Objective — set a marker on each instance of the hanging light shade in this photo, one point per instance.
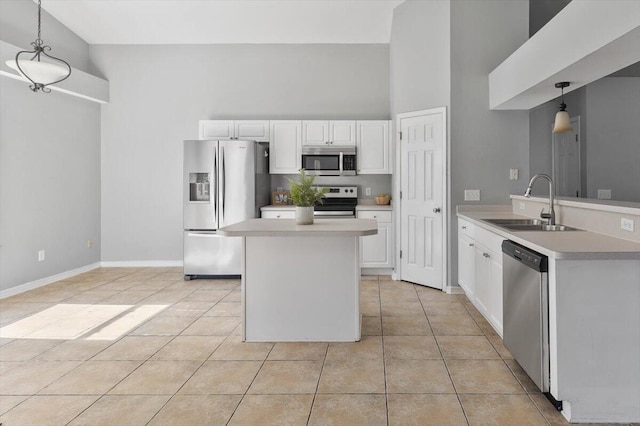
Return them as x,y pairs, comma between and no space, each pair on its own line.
37,66
563,121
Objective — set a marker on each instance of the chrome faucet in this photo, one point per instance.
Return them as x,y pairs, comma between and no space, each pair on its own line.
551,216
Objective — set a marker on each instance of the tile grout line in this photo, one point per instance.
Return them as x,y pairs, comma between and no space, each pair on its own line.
324,360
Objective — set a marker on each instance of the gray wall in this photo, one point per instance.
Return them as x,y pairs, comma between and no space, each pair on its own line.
19,26
49,183
419,56
49,162
379,184
613,145
485,144
158,94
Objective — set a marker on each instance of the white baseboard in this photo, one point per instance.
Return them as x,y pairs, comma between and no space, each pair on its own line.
47,280
376,271
454,289
141,264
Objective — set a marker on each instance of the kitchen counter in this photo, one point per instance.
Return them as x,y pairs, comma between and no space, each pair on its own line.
301,283
387,207
288,228
566,245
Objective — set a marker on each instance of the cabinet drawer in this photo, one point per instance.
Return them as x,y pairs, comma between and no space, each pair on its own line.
278,214
381,216
465,228
491,241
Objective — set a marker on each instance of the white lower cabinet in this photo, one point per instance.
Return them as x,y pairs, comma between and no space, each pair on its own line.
282,213
376,251
480,270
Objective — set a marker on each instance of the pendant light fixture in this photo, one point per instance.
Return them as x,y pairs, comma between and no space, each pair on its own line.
563,122
37,66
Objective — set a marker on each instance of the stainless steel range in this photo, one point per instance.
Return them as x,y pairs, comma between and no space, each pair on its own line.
340,203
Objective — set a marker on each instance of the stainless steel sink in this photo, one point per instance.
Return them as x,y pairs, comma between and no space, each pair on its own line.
508,222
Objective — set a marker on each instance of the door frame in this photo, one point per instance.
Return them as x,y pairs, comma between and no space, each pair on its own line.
397,206
575,123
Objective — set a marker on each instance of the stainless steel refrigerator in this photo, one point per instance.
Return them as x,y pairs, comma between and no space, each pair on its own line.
224,182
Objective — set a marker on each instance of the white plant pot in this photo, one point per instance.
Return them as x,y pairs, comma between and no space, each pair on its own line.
304,215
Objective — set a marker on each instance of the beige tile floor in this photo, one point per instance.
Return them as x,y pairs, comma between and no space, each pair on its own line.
426,358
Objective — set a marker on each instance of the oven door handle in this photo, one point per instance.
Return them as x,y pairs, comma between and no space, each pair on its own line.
334,213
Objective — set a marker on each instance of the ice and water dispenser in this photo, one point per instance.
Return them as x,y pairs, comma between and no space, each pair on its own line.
199,187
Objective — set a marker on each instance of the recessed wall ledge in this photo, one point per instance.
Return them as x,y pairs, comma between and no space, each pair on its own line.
586,41
80,84
623,207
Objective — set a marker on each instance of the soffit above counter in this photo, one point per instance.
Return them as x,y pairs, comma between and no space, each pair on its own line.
586,41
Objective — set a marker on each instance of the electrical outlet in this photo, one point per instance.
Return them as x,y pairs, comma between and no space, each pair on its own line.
513,174
89,244
626,224
604,194
522,206
367,191
41,256
472,195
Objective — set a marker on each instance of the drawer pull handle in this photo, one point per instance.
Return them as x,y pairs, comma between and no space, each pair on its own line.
375,217
464,227
486,254
470,244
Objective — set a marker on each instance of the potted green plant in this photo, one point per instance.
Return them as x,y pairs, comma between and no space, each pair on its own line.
304,196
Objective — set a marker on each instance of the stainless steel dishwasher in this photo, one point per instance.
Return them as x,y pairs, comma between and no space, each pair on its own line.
526,310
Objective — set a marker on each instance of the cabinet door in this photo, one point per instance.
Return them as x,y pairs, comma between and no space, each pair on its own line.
315,132
373,147
252,130
285,146
466,264
374,249
342,133
482,279
216,129
495,291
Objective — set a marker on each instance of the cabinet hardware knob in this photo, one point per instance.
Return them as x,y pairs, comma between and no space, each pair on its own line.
436,210
470,244
486,254
464,227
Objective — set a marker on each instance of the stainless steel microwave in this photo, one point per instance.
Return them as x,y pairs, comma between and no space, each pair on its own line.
329,161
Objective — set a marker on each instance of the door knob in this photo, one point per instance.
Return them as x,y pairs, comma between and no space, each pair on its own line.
436,210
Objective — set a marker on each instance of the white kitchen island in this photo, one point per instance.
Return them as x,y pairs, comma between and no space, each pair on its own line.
301,283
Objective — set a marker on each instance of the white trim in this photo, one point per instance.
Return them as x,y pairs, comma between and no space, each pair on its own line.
454,289
445,191
12,291
141,263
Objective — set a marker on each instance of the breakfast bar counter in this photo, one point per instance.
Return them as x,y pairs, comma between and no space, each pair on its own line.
301,283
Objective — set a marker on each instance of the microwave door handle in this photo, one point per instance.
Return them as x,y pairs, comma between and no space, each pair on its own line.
341,160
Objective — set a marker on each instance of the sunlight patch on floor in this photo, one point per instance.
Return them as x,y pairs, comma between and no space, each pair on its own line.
72,321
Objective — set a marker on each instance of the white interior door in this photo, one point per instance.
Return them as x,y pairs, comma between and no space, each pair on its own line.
566,161
422,203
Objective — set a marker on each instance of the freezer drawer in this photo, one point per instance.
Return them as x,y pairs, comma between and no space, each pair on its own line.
207,253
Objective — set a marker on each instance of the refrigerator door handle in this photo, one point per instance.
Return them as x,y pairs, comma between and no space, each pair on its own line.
223,185
215,196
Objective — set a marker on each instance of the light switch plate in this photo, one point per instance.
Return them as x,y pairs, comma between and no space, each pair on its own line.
604,194
472,195
41,256
626,224
513,174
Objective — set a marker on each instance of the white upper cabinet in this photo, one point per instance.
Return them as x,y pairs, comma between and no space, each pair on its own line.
334,132
285,146
216,129
254,130
315,132
342,133
373,148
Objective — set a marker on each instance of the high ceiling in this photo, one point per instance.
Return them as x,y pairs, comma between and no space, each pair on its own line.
226,21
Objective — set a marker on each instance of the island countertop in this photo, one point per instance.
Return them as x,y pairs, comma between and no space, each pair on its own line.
288,228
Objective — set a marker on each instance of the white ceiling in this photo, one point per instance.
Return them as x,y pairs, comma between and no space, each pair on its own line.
226,21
